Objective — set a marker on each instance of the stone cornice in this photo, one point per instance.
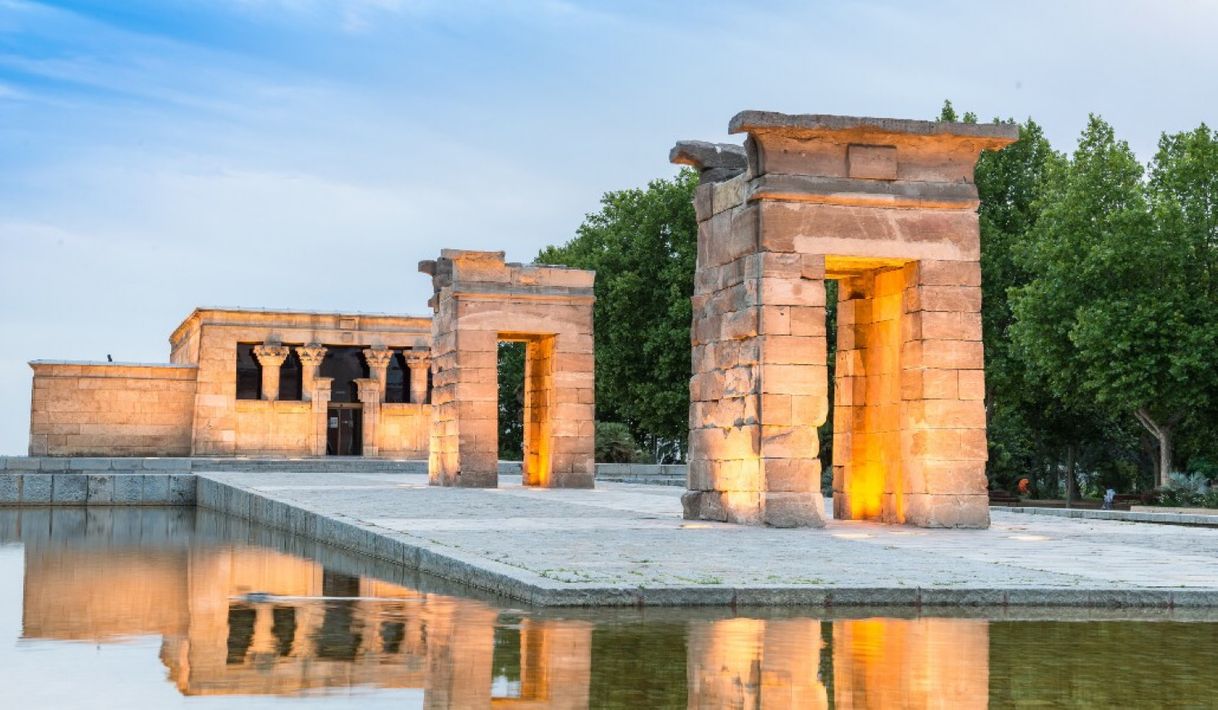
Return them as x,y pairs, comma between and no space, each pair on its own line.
868,193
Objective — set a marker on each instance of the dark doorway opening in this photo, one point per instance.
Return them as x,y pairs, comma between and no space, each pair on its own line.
344,430
344,365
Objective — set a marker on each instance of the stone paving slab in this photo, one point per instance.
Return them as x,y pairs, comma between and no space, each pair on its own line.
623,544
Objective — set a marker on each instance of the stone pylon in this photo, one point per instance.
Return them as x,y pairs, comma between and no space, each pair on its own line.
479,302
887,208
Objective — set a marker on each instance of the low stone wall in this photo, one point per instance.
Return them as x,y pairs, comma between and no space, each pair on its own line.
95,481
82,408
61,480
274,428
1143,514
648,474
56,480
404,430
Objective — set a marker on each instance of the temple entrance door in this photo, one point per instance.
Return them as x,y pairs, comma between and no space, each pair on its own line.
344,430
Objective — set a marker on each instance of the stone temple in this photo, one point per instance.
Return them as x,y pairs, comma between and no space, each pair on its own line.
887,208
245,382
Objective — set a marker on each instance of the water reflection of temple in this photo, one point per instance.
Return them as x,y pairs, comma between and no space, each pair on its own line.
249,620
239,619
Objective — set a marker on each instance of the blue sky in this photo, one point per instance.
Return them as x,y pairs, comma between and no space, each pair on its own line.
159,155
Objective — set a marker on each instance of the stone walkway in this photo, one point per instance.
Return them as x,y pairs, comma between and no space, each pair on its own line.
627,544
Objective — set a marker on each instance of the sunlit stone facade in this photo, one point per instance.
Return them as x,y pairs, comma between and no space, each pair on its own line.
887,208
248,382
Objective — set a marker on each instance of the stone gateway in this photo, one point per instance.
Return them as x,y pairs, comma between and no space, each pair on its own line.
887,208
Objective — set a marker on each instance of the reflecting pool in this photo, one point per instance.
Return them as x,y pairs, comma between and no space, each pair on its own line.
145,607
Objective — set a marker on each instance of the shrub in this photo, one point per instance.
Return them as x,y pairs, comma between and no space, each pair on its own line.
614,443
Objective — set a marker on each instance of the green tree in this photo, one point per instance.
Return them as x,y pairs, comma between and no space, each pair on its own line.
1109,312
642,245
511,401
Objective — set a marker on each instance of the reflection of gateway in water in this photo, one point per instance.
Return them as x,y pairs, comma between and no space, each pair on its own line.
247,620
253,621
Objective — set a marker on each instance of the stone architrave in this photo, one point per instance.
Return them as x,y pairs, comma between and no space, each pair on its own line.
311,357
378,365
419,363
370,394
480,301
887,208
270,358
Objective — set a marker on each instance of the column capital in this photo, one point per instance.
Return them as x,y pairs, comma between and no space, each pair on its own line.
417,358
368,389
311,354
271,355
378,357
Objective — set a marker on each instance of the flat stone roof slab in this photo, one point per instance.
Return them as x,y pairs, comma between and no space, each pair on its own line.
624,544
812,124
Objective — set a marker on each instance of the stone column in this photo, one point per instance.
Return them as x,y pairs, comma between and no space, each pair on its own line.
378,365
271,358
419,362
321,409
370,396
943,385
311,357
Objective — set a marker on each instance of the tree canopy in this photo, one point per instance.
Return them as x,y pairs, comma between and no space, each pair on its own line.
642,244
1115,313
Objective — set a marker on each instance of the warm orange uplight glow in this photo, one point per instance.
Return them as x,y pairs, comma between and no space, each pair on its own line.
538,406
874,483
915,663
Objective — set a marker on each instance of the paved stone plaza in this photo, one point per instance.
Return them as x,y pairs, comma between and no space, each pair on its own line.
628,544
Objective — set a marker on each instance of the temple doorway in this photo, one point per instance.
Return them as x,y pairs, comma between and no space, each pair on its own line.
344,430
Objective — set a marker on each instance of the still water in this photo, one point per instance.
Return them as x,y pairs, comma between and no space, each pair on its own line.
176,607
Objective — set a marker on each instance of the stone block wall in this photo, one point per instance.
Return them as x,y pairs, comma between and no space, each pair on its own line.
280,428
758,394
404,430
480,301
84,409
62,481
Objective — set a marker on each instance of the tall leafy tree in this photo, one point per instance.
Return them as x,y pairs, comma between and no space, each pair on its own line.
1109,312
642,244
1183,189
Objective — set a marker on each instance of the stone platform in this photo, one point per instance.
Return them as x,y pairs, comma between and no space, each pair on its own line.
622,544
